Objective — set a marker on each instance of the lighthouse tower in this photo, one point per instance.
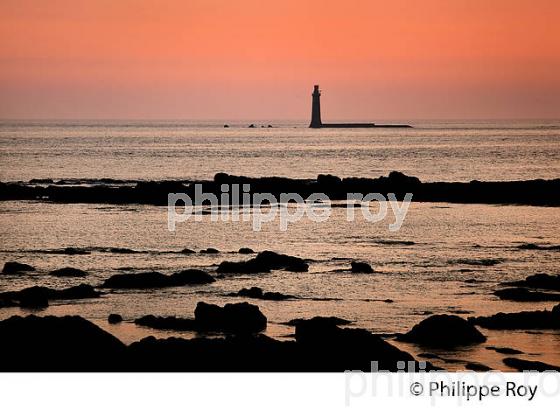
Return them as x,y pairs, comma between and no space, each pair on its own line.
316,109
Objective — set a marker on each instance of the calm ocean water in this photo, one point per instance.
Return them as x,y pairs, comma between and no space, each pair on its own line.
448,243
442,151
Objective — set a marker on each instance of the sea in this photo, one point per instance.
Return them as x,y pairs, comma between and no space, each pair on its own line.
446,258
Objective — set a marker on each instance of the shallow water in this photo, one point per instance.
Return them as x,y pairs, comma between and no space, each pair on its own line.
422,268
450,244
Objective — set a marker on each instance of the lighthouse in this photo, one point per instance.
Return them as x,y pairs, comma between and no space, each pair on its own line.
317,123
316,108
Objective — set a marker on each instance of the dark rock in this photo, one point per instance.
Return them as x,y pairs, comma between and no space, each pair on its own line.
210,250
525,295
443,331
535,247
68,343
252,126
265,262
319,337
226,126
75,251
166,323
146,280
137,280
69,272
539,281
187,251
477,367
529,365
11,268
504,350
327,320
7,303
41,181
233,317
33,298
246,251
38,296
124,251
361,267
540,319
191,277
114,318
430,356
258,293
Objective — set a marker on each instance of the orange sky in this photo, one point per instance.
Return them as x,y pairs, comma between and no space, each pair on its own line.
249,59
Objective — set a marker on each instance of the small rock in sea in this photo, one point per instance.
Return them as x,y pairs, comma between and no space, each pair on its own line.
529,365
187,251
246,251
68,272
252,126
361,267
536,247
38,296
210,250
147,280
114,318
539,319
258,293
122,250
192,277
11,268
443,331
226,126
324,320
75,251
538,281
504,350
269,126
477,367
233,317
525,295
265,262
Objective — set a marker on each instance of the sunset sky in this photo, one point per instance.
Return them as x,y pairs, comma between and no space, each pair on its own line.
249,59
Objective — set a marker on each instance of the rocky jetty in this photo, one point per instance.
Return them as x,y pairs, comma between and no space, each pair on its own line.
532,192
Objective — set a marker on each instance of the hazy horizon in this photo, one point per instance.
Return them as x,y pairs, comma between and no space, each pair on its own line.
215,59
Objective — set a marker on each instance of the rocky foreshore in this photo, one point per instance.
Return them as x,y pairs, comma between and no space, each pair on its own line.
531,192
71,343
